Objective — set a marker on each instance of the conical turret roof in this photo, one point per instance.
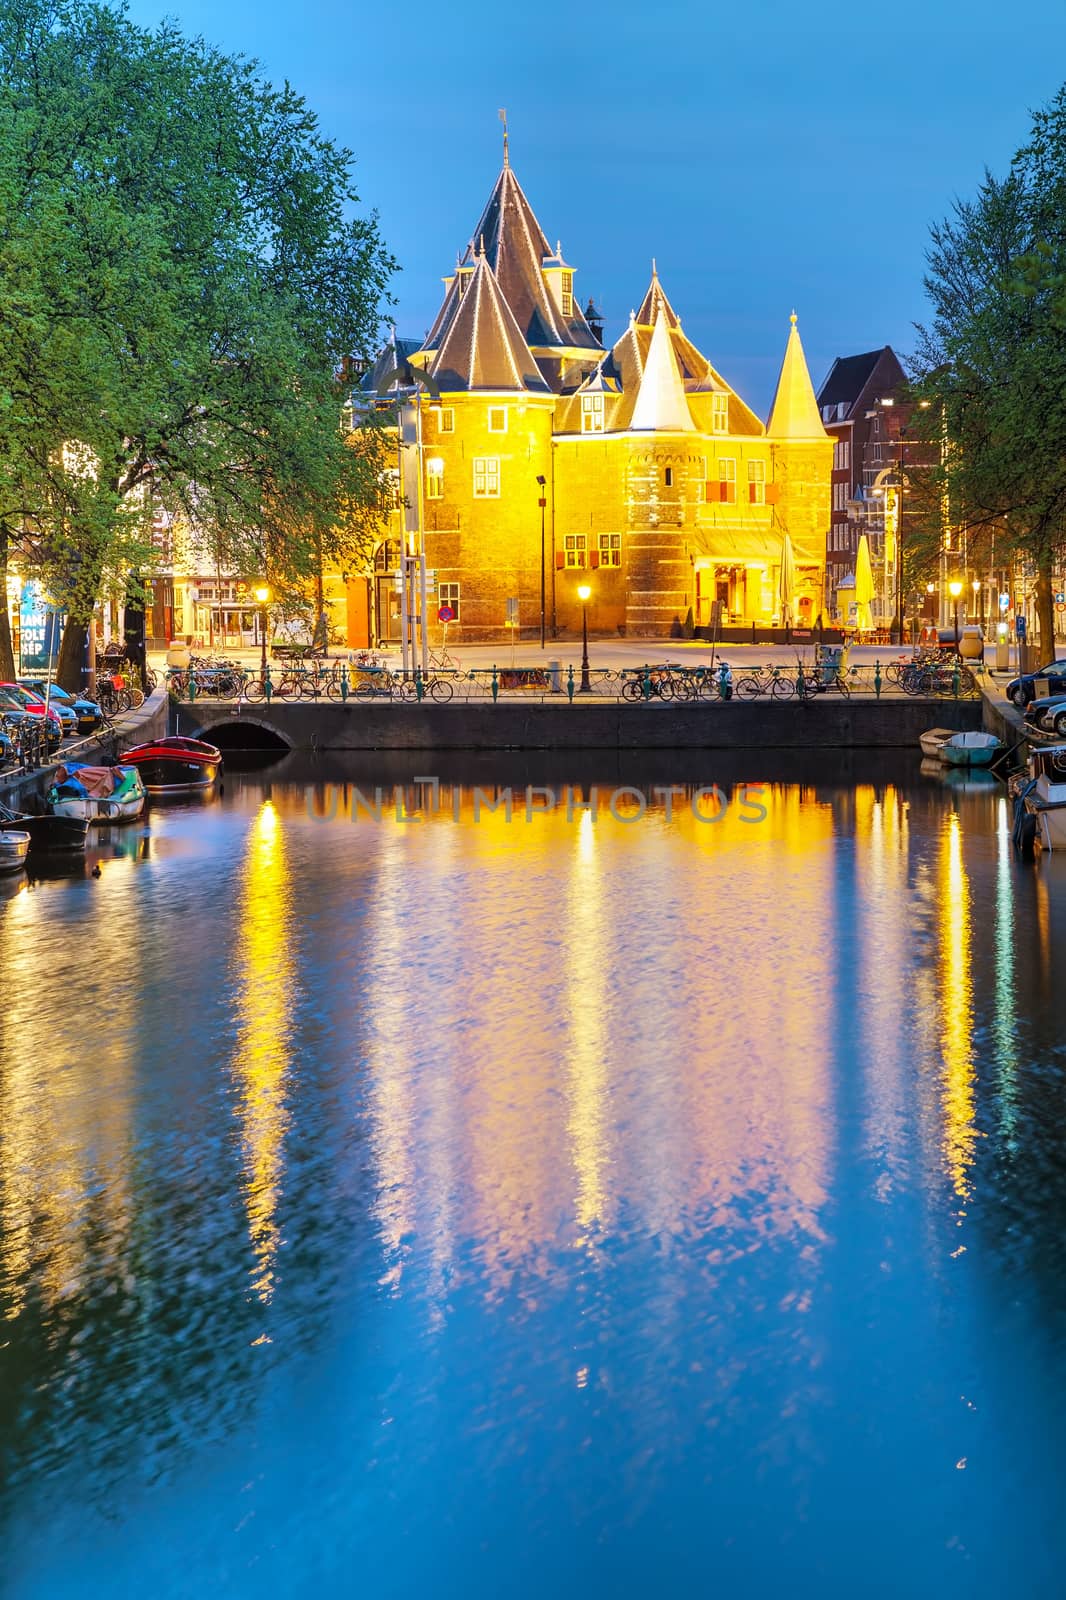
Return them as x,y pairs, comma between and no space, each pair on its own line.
654,301
482,347
661,406
511,237
794,413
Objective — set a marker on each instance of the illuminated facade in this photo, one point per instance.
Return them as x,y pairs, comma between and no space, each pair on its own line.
662,489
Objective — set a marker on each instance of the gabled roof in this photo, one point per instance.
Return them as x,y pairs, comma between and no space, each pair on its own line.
516,246
661,406
794,413
850,378
483,347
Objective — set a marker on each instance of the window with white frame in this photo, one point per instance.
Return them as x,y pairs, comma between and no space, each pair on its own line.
757,483
446,419
497,419
727,481
448,595
568,294
486,477
610,549
434,479
841,455
574,549
592,413
720,413
840,497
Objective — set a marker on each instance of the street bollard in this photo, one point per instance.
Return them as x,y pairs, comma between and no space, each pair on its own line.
495,684
267,690
725,688
420,687
647,682
955,680
192,687
570,682
344,682
877,679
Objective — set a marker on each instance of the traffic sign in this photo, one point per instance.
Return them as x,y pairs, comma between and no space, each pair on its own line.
1019,626
1004,602
445,614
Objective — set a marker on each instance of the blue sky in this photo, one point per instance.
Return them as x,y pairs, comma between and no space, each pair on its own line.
771,156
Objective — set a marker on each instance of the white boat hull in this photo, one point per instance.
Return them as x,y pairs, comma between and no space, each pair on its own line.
91,810
1050,824
14,848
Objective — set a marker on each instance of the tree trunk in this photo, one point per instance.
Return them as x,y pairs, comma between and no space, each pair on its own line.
71,663
7,658
1045,604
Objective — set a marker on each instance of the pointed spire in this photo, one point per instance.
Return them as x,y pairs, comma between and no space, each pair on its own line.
482,346
506,151
661,405
794,413
653,301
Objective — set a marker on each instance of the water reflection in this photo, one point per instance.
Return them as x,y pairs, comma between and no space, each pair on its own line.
593,1179
264,971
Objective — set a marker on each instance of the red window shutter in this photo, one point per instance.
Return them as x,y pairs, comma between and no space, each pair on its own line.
594,558
710,491
752,491
772,493
560,561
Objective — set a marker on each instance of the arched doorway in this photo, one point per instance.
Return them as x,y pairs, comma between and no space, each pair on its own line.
387,591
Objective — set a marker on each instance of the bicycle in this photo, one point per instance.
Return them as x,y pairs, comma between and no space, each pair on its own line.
442,661
765,680
433,688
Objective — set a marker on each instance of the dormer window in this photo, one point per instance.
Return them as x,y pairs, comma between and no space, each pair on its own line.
592,413
720,413
567,288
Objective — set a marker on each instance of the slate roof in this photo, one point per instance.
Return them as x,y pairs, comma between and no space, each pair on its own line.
482,347
847,378
516,246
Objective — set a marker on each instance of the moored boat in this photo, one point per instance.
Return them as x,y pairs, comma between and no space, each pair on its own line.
933,741
970,749
49,835
174,765
14,848
97,794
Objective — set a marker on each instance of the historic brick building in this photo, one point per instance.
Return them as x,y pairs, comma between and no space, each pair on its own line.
662,490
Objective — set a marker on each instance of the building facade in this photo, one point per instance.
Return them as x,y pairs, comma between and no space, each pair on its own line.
542,460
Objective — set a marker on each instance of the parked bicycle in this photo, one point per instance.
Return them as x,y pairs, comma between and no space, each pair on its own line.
765,680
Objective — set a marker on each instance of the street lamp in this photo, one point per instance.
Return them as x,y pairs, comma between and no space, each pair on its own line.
583,593
262,594
542,503
976,586
954,590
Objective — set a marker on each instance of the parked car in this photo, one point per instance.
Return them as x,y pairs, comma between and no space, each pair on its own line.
16,703
1023,689
86,712
63,711
1048,714
17,706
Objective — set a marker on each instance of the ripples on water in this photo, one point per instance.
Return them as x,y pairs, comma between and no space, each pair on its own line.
463,1206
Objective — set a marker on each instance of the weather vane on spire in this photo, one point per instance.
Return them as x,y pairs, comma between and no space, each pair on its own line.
503,119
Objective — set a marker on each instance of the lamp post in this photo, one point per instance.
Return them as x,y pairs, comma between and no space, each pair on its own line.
583,595
976,586
262,595
542,502
954,590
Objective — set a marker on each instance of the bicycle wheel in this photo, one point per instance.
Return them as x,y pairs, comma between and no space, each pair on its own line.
254,689
309,688
747,688
123,701
441,690
136,698
782,689
632,689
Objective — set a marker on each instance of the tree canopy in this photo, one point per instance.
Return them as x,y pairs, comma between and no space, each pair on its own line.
183,270
992,362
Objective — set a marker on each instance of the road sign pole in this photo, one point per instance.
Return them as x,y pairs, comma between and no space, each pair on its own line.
424,613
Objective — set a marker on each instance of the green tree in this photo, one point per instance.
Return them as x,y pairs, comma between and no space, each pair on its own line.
992,363
183,271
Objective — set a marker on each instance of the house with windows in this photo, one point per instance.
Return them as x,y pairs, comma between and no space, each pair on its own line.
531,452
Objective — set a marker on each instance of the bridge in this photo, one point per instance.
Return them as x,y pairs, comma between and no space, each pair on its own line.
550,724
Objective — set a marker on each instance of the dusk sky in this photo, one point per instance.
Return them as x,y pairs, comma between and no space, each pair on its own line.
770,157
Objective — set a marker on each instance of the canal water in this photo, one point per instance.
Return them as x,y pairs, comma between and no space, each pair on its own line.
410,1193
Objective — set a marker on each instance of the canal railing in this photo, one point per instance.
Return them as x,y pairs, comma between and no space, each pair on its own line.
651,682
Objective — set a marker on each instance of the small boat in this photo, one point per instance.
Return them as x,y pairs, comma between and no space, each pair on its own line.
14,848
933,741
965,749
97,794
1040,800
48,835
174,765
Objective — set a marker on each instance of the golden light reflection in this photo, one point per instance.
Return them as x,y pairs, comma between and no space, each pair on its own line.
956,981
587,935
882,844
266,977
